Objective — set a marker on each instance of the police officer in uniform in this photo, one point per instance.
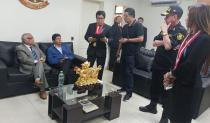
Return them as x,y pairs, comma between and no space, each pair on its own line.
97,37
132,35
167,42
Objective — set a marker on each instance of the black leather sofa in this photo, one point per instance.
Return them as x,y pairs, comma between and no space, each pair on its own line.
142,72
142,81
13,82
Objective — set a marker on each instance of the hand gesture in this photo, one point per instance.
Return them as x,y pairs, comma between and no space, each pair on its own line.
91,39
164,27
104,39
123,40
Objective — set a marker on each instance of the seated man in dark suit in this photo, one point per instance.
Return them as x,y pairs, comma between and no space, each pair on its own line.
31,60
60,56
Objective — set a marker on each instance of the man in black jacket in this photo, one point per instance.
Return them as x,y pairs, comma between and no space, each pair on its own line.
96,36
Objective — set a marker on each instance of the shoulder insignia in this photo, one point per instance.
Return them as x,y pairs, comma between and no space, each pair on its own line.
179,36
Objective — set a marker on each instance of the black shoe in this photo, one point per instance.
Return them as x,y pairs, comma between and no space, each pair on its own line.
163,120
127,97
121,90
149,108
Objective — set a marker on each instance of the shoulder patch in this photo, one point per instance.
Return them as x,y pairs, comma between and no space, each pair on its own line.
179,36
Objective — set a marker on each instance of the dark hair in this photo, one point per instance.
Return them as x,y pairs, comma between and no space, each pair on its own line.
199,17
101,13
115,19
54,36
141,18
130,11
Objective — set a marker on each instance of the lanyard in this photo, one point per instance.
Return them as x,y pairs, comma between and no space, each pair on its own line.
183,46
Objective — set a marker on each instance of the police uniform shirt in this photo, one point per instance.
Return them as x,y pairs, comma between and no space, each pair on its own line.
133,31
165,59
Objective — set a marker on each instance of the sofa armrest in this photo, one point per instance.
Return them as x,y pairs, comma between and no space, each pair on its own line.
3,78
78,60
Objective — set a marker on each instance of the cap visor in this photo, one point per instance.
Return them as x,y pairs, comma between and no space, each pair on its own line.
164,14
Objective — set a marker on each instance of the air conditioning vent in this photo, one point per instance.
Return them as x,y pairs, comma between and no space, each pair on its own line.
156,2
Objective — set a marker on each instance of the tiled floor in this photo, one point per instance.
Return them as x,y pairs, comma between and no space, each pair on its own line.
30,109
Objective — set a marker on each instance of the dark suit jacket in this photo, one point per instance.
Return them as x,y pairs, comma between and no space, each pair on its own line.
143,44
115,33
100,49
188,78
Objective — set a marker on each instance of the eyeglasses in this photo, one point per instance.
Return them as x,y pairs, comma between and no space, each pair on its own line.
29,38
100,18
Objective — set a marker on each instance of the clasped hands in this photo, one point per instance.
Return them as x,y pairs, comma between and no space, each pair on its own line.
91,39
42,60
168,79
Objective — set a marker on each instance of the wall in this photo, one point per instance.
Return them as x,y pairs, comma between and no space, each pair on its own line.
150,13
60,16
65,17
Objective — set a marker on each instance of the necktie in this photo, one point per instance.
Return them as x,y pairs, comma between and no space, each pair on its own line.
34,54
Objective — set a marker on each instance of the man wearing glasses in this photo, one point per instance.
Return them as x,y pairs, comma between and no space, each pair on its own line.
32,60
97,37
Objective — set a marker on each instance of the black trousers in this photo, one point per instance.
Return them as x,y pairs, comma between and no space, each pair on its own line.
67,69
157,90
100,60
127,65
112,58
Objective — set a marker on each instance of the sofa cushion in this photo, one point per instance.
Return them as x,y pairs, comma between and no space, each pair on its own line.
45,45
142,73
8,54
14,76
144,59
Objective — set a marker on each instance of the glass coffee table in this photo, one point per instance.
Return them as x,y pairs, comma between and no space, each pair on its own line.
67,106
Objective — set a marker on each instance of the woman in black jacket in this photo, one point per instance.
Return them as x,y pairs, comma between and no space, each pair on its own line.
115,34
185,75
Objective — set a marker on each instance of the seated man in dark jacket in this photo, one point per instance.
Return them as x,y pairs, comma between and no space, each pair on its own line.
60,56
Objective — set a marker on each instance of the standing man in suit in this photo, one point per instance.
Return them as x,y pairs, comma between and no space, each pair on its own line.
60,56
96,36
141,20
32,60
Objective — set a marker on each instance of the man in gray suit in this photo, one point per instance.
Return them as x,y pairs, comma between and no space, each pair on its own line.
32,62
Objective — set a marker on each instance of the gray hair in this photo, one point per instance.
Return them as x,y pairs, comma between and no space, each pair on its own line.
23,37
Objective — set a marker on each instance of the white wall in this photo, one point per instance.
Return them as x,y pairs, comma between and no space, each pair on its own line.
65,17
62,16
151,14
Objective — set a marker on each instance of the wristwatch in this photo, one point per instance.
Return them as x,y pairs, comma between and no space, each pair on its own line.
164,33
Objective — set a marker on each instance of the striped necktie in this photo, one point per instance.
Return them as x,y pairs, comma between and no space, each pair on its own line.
34,54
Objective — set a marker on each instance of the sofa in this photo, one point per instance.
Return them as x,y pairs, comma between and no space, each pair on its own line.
142,81
13,82
142,72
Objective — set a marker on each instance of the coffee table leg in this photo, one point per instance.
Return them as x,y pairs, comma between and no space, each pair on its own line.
50,107
72,114
113,102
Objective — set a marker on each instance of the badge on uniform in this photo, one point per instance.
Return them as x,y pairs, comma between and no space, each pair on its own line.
179,36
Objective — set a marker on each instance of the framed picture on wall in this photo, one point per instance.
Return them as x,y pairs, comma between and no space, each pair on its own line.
119,9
